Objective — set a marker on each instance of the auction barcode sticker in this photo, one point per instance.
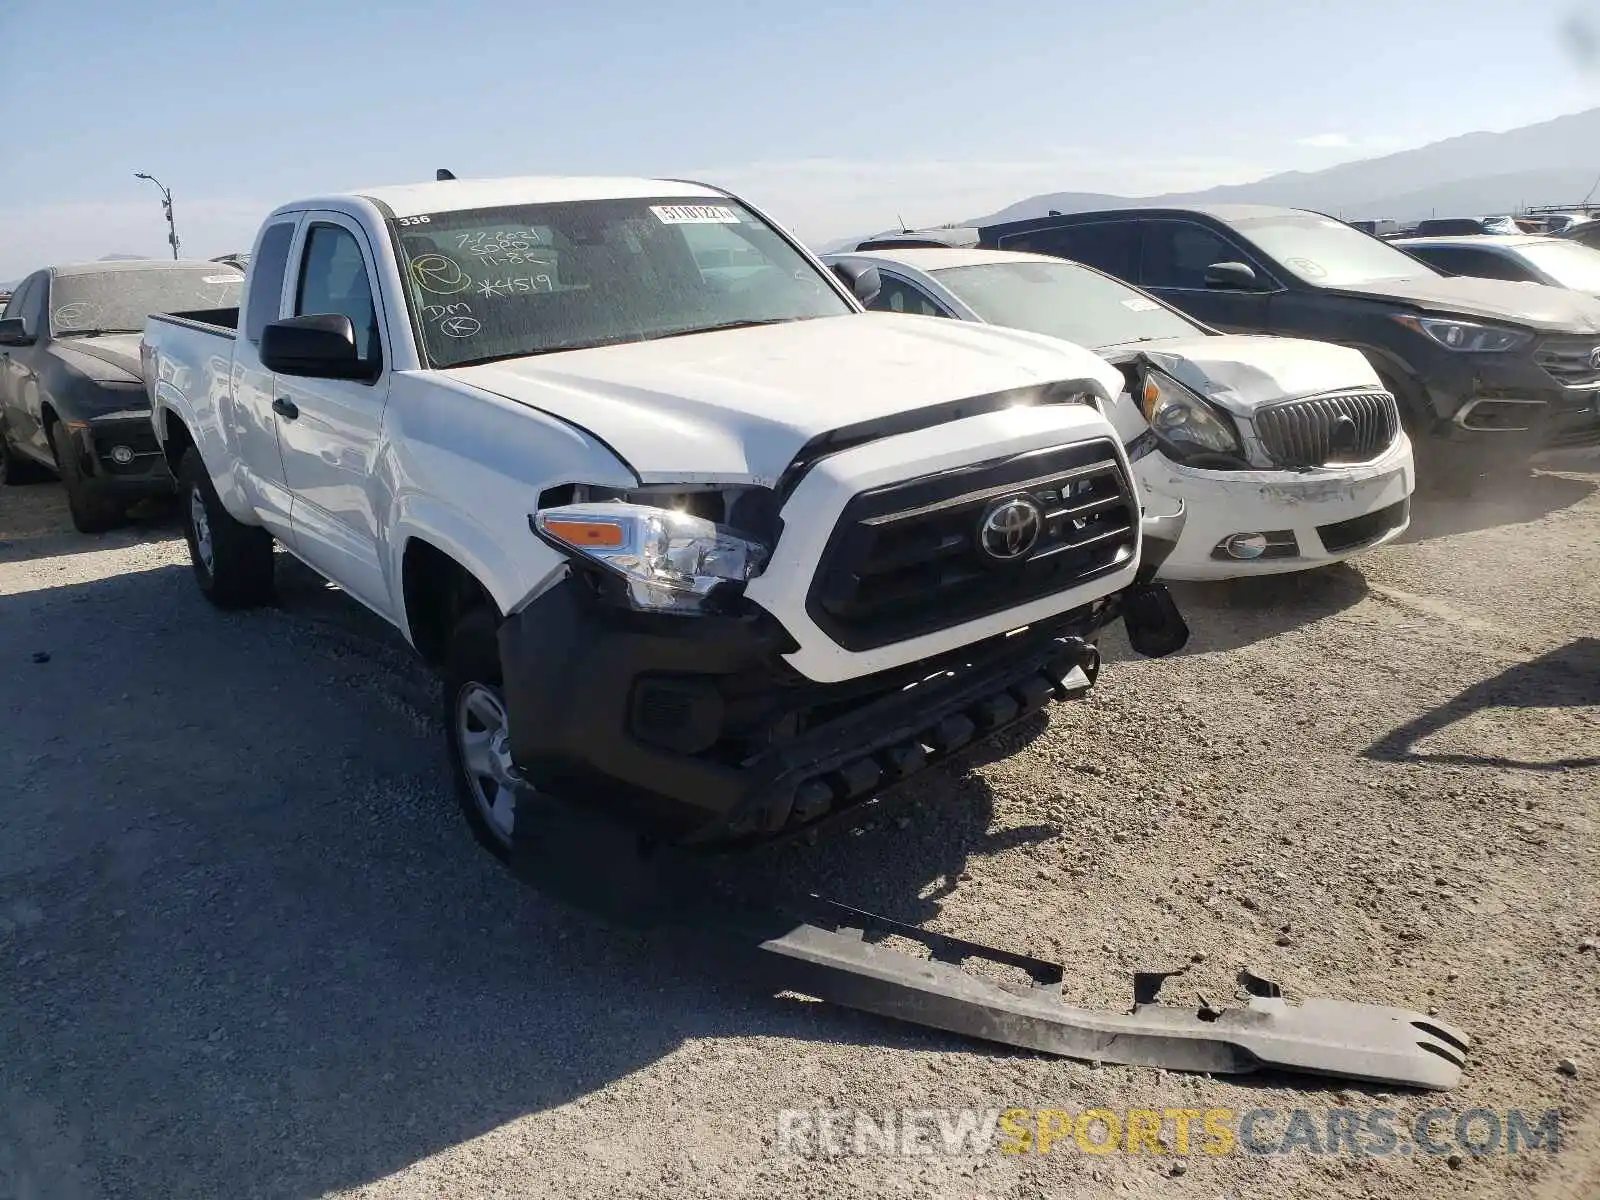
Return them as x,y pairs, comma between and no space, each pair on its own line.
694,214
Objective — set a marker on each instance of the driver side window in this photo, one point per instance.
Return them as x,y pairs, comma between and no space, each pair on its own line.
333,279
901,296
18,304
1176,254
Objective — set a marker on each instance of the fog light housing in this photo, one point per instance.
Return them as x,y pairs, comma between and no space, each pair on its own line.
122,455
1246,545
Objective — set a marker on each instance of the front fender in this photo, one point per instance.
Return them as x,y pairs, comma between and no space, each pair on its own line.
485,556
464,471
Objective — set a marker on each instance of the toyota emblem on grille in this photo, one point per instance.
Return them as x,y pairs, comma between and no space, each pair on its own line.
1010,529
1342,435
1594,358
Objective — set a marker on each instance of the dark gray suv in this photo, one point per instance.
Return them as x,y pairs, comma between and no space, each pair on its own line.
1484,370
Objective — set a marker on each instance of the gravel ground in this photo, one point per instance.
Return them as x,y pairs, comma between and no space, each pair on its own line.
247,948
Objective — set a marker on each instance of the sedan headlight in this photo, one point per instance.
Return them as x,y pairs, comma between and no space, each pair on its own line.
1185,422
1467,336
669,561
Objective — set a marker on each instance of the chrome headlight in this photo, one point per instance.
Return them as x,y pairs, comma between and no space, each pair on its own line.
1467,336
1184,421
668,561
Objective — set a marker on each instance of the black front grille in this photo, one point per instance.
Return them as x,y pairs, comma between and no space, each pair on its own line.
1346,427
908,559
1570,361
1369,527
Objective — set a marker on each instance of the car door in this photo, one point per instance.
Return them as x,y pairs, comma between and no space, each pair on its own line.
249,412
20,407
11,418
328,429
1174,257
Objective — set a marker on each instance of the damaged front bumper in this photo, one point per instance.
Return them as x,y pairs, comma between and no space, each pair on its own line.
118,451
696,730
1263,522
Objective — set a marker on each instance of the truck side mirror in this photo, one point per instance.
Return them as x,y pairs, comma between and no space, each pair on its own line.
319,346
863,281
1235,275
14,331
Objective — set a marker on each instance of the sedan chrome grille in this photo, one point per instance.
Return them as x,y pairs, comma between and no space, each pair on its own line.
1343,427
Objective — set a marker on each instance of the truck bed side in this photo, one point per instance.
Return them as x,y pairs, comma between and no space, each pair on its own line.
187,364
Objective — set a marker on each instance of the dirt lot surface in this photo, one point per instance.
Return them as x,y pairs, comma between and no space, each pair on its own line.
248,949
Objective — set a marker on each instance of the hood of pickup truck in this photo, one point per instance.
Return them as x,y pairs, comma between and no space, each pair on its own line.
1241,372
111,356
737,405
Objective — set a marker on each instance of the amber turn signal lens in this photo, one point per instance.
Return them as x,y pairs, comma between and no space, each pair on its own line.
586,533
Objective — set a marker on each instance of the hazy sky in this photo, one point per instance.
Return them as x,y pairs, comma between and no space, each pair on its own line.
835,117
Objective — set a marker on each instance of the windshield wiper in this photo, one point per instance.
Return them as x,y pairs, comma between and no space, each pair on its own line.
721,325
90,332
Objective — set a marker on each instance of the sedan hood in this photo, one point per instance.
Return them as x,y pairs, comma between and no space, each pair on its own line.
1530,305
1241,372
737,405
113,357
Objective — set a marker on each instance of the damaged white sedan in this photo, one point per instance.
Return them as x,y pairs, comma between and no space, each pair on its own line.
1288,453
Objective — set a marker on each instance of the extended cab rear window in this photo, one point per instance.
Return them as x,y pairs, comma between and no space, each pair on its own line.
487,284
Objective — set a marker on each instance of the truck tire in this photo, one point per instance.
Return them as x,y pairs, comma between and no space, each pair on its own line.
477,731
232,561
93,511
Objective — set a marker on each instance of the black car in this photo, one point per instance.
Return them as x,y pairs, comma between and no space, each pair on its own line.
1483,369
72,400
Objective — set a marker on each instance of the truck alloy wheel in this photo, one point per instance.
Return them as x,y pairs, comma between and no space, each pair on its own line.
201,524
483,734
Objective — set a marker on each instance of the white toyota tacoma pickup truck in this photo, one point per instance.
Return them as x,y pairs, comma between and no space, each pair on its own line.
686,533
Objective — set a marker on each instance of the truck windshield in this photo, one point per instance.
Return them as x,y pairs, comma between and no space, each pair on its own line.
119,301
1328,253
1064,300
497,283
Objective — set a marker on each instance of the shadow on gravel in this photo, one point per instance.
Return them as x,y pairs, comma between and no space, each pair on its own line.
256,951
1503,501
34,524
1228,614
1565,678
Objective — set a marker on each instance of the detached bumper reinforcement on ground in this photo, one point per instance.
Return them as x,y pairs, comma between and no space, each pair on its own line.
836,954
833,959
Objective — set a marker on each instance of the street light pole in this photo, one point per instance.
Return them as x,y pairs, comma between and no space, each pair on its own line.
166,204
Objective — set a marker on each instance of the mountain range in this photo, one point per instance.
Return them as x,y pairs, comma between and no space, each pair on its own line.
1475,174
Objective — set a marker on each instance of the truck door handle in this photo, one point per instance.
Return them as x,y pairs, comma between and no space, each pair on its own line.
285,408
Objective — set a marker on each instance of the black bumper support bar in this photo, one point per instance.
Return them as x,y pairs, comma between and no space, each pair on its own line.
834,953
833,959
